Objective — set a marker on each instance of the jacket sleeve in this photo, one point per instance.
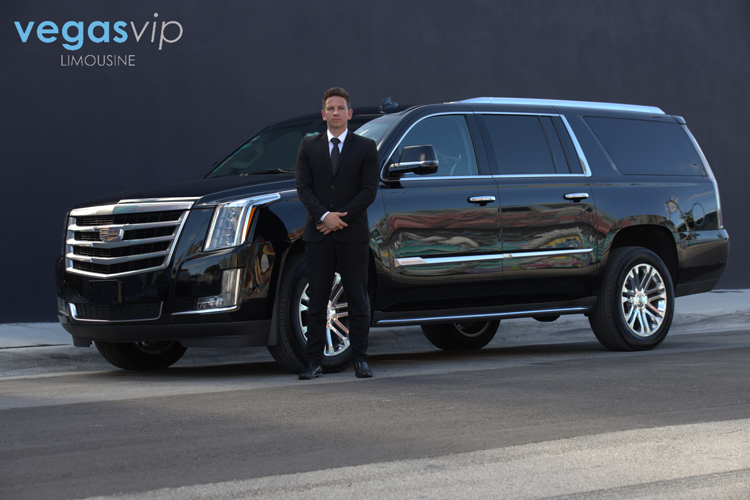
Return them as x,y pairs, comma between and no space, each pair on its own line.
304,180
368,186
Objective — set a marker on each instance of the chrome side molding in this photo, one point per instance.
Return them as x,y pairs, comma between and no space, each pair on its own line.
420,261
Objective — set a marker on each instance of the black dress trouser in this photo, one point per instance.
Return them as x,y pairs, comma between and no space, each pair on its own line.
324,258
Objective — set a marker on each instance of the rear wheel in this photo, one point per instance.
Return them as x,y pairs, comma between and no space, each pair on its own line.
635,305
141,355
461,336
289,350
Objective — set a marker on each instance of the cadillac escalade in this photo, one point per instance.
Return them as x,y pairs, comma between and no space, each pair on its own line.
488,208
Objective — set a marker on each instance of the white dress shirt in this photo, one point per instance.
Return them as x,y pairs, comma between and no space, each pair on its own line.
342,138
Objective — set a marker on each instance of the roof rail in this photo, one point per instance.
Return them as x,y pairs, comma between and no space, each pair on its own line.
570,104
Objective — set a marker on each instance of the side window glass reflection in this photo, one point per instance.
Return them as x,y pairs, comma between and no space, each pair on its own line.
449,135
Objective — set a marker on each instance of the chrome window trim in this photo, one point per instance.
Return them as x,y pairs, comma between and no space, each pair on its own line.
581,156
124,207
420,261
637,108
73,313
579,151
390,153
464,317
538,176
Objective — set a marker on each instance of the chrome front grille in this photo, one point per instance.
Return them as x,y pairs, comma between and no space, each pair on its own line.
130,237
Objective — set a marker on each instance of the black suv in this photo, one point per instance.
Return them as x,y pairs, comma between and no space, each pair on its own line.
488,208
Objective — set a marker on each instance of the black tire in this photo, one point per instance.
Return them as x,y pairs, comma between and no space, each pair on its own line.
141,355
635,305
461,336
291,341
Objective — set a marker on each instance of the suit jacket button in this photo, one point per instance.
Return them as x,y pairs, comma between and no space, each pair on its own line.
330,206
331,187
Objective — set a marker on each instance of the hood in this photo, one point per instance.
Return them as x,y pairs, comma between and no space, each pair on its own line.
207,191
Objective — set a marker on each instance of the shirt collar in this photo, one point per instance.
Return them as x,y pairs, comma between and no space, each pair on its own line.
342,137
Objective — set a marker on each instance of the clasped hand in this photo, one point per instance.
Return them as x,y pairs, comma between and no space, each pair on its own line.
332,222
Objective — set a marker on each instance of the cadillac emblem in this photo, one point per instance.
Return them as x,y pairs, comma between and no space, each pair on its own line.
110,234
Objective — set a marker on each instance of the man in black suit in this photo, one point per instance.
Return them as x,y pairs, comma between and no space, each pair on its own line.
337,179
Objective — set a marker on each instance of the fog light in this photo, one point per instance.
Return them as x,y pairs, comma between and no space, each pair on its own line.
230,292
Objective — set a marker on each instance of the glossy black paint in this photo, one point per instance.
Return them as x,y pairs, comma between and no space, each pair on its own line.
432,217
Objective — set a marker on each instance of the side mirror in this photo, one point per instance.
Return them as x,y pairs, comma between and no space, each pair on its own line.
420,160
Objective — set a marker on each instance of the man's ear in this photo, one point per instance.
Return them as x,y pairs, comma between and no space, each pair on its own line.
351,112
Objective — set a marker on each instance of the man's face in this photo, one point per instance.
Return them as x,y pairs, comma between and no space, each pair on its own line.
336,114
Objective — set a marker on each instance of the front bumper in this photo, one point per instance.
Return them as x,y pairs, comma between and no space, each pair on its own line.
161,305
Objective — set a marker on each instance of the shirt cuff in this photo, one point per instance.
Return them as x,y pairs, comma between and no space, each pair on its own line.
323,216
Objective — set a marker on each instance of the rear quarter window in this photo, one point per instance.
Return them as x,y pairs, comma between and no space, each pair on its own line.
640,147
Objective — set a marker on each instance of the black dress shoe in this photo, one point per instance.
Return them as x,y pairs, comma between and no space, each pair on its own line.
313,371
362,369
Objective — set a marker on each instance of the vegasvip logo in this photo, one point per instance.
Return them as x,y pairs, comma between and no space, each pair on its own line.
73,35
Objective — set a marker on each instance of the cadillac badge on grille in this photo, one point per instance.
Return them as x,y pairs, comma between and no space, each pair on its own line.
110,234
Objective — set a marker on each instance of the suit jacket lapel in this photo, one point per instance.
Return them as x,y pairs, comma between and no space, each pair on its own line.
324,152
345,149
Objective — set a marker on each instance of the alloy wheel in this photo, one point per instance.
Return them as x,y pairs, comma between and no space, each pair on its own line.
644,300
337,318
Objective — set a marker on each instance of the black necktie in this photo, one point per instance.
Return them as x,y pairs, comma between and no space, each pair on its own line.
335,154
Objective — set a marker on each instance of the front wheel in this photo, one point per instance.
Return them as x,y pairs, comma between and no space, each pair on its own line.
635,305
141,355
289,350
461,336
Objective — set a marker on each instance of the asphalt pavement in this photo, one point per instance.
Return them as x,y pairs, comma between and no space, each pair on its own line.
543,412
41,348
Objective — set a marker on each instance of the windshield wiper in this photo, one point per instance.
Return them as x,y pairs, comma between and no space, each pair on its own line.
270,171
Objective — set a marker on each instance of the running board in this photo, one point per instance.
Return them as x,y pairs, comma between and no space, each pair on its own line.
581,306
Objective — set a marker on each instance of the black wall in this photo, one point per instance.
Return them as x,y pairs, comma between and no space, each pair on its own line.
69,133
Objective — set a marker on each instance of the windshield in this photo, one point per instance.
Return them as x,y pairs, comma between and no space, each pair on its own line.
274,150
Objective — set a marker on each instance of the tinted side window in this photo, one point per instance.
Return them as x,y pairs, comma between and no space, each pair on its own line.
639,147
521,146
449,135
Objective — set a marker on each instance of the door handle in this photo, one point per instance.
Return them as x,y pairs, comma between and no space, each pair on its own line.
481,200
576,196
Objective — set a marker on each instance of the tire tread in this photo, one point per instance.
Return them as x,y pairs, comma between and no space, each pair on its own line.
604,319
128,357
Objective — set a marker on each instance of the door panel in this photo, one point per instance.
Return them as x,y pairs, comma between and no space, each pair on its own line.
547,211
444,250
557,233
442,230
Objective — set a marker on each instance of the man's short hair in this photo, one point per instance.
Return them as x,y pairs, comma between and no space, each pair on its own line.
338,92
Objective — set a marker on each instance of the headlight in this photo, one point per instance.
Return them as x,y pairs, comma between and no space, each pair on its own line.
232,220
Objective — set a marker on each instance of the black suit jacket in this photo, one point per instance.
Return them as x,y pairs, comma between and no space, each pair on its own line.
352,190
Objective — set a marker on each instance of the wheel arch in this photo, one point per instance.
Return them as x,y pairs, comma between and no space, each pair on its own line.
297,247
654,237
